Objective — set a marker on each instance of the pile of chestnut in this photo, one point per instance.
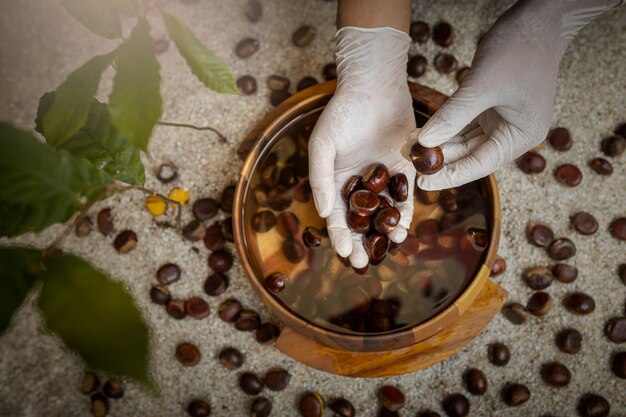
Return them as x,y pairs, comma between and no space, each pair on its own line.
372,213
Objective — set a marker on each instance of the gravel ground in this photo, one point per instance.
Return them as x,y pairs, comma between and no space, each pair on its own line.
40,44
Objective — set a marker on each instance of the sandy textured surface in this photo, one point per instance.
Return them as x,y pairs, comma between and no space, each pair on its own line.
40,45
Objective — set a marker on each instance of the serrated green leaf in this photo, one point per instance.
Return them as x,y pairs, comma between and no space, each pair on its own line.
135,103
95,317
99,143
45,103
204,64
70,106
18,268
128,7
98,16
40,186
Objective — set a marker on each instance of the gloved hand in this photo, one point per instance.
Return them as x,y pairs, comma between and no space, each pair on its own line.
366,121
504,106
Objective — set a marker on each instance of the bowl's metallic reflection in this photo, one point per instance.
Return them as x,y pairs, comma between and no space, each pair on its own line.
426,102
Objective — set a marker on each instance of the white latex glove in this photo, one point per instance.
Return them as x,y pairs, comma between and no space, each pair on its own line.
504,106
366,121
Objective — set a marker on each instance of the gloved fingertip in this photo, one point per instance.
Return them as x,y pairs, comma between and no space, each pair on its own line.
341,240
398,234
430,138
425,183
358,257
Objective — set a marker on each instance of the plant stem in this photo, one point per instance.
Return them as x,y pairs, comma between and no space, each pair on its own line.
212,129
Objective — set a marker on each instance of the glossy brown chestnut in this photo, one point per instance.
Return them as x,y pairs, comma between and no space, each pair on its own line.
426,160
384,202
353,184
359,224
364,202
287,224
293,250
376,245
398,187
376,177
276,282
312,237
386,219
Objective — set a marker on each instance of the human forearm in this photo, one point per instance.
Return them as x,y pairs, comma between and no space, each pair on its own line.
374,13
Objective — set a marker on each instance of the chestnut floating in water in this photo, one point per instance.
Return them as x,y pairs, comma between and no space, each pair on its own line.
426,160
276,282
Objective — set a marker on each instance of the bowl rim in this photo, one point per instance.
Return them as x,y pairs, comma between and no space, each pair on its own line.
266,129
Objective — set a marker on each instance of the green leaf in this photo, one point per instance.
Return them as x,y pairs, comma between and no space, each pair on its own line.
40,186
70,106
18,267
95,317
45,103
135,103
98,16
204,64
128,7
99,143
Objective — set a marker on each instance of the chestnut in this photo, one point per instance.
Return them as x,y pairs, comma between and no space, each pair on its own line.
263,221
293,250
276,282
359,224
478,237
269,175
376,245
426,160
312,237
376,177
426,197
364,202
386,219
384,202
398,187
303,192
287,177
279,198
287,224
260,195
427,231
447,201
353,184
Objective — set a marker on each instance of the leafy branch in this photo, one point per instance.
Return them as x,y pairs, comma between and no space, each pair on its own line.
92,150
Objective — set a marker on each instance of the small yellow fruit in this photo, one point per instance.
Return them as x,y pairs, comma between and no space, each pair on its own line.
179,194
155,205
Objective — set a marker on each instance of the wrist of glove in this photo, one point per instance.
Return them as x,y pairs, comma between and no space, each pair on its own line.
504,106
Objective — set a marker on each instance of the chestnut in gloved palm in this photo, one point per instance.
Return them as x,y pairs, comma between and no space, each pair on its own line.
367,121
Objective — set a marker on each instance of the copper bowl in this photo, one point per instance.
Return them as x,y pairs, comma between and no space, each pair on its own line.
425,101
